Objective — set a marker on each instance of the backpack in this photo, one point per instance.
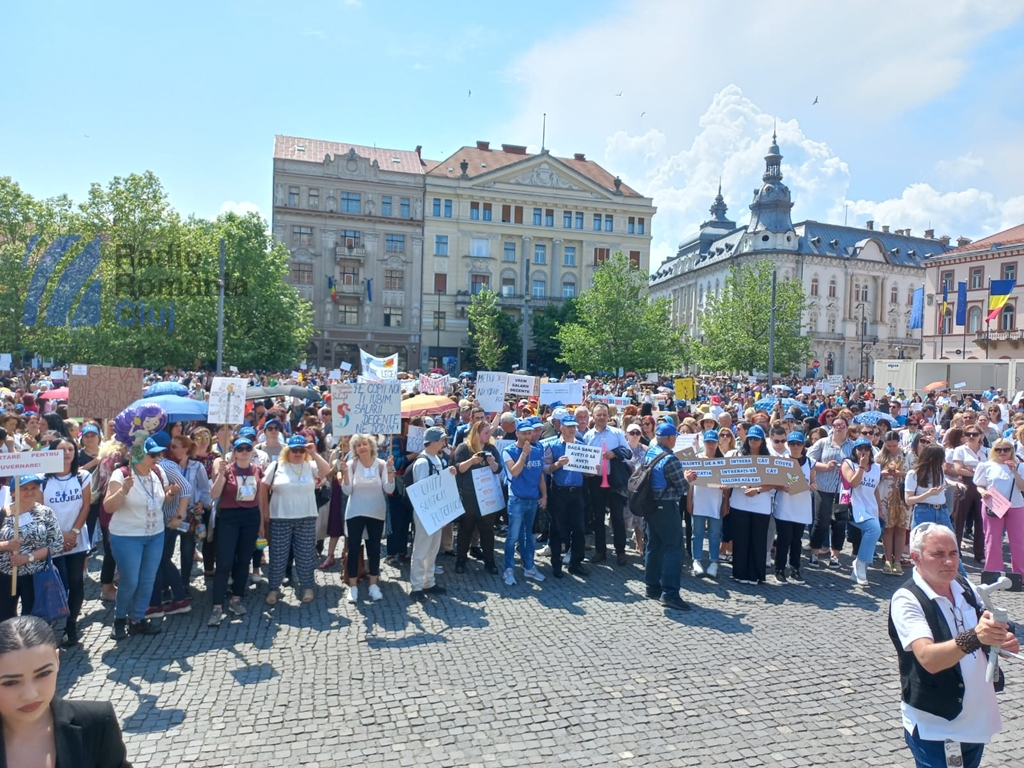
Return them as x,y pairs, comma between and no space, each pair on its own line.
639,491
410,477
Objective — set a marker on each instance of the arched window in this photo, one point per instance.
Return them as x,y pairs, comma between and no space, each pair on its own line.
863,293
974,320
814,286
947,322
1006,318
832,289
894,295
812,322
910,297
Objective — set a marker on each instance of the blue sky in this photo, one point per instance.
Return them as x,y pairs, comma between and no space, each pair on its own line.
918,122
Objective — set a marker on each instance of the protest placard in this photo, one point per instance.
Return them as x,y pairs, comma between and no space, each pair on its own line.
436,501
429,385
102,391
806,389
373,407
686,388
5,361
408,386
564,392
346,366
414,439
227,400
520,386
30,462
748,470
379,367
618,402
335,373
487,487
583,458
502,445
836,380
490,390
686,446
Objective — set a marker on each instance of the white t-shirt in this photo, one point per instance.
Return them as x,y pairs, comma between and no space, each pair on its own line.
63,494
707,501
367,488
141,513
293,490
796,507
979,720
969,458
913,488
862,498
991,474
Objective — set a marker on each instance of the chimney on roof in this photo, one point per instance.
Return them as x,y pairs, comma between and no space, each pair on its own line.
962,241
579,156
419,148
484,145
944,240
906,232
930,234
513,149
885,228
870,224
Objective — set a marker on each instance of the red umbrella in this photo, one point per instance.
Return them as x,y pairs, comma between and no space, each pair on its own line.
60,393
934,386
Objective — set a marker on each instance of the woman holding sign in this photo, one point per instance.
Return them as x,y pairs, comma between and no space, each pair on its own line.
1002,473
366,480
475,452
38,536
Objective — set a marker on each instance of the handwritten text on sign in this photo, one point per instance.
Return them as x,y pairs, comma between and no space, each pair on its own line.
31,462
227,400
102,392
487,487
583,458
749,470
490,390
414,439
565,392
373,407
431,386
436,501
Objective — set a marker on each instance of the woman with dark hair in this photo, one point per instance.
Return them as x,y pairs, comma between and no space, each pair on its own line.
793,511
55,423
893,511
39,536
647,426
860,481
37,727
750,508
69,494
925,490
708,507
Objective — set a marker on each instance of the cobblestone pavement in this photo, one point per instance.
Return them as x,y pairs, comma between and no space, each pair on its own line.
569,672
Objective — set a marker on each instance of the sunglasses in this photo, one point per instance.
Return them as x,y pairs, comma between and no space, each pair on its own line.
778,442
243,449
1003,450
973,434
839,425
272,429
298,449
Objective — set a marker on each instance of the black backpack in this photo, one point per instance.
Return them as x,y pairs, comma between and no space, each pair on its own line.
639,492
409,478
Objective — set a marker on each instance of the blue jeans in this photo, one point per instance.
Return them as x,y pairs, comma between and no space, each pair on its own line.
663,547
138,560
712,527
870,532
926,513
932,754
521,513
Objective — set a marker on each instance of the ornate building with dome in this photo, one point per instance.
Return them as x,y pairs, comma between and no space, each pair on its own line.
858,281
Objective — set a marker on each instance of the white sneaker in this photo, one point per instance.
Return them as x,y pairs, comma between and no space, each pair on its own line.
534,574
862,573
510,579
375,593
566,558
353,594
698,569
713,570
546,552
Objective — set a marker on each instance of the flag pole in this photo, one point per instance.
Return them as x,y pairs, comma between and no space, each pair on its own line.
988,320
942,328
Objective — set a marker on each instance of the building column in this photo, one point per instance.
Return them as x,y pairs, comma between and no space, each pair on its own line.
556,260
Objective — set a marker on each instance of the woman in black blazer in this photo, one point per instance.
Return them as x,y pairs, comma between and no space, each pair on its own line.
36,726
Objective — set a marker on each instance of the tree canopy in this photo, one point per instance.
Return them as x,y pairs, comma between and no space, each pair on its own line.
493,335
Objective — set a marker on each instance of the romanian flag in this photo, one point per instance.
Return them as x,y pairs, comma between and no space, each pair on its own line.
945,300
333,287
998,294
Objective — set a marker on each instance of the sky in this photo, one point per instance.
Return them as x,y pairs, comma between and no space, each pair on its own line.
918,121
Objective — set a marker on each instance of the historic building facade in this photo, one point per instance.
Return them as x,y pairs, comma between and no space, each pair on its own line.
352,218
859,282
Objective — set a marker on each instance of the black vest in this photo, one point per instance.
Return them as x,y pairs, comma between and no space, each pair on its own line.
940,694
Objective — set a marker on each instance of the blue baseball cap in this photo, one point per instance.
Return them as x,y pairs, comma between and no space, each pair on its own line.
796,437
569,421
90,429
862,442
666,429
160,438
26,480
534,421
247,432
296,441
711,436
152,446
756,432
272,423
246,441
524,425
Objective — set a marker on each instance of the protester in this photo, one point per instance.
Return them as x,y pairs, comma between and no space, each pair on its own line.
749,509
567,488
39,536
425,546
861,474
793,512
967,515
524,465
476,451
827,454
1002,474
169,594
708,505
892,462
663,555
365,479
606,501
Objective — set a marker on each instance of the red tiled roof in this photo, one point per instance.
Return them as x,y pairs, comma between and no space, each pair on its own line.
483,161
287,148
1012,236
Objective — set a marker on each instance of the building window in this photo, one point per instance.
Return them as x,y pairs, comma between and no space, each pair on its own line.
910,296
395,243
437,207
302,237
536,217
350,202
947,323
293,197
479,283
1006,318
480,247
831,324
861,292
506,214
946,283
474,211
385,205
567,220
302,273
447,209
832,290
640,226
348,273
600,256
549,218
597,222
440,245
1009,271
608,222
814,286
977,277
510,251
540,254
634,259
579,220
438,321
519,214
348,314
508,286
631,225
440,282
403,207
568,290
393,317
314,199
540,289
394,280
569,256
974,320
487,212
894,294
349,238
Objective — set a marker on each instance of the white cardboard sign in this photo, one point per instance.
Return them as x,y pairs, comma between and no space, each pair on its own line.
414,439
436,501
566,392
490,390
520,386
31,462
373,407
487,486
583,458
227,400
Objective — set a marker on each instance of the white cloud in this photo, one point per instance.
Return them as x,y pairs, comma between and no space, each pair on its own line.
961,168
230,206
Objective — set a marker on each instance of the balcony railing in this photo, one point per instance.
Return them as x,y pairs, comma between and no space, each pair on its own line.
826,335
1017,334
349,289
355,252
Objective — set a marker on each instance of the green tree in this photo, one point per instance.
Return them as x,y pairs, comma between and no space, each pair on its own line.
735,324
493,335
19,213
619,325
544,326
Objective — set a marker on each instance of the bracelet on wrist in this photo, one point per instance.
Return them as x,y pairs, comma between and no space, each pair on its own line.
968,641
